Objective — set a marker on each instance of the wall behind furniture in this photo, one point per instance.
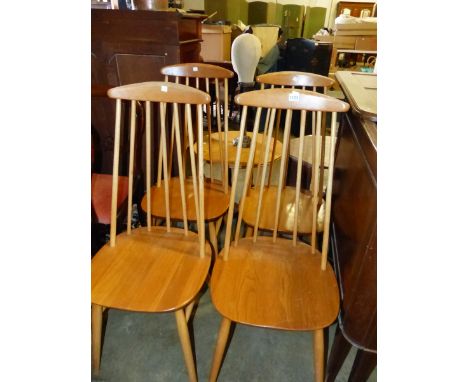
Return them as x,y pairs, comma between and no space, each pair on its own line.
236,9
194,4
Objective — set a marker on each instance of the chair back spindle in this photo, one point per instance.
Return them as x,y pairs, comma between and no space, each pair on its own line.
115,172
131,165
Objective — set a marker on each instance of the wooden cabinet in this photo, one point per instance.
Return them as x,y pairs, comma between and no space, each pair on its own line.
354,227
133,46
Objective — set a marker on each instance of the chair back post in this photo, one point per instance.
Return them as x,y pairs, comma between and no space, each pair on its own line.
227,239
331,167
115,172
226,130
248,171
180,163
264,168
201,183
131,165
148,162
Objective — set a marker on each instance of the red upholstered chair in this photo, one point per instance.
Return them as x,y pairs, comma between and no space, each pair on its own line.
101,194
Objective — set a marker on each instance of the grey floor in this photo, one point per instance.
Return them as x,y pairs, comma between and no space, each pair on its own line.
145,347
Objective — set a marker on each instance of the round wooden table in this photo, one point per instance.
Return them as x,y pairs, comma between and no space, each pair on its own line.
232,150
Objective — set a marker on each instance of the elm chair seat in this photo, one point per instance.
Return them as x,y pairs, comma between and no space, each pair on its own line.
260,283
156,271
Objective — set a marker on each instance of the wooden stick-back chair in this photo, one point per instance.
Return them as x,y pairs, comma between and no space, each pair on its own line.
304,81
154,269
208,78
269,281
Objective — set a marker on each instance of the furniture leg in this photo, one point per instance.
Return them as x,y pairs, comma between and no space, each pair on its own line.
218,225
248,231
363,365
96,328
213,237
318,355
220,347
188,310
338,353
186,345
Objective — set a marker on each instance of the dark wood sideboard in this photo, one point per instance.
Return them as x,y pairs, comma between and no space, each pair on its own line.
354,228
132,46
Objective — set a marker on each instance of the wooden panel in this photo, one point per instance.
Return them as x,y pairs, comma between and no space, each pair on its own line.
354,236
132,68
132,46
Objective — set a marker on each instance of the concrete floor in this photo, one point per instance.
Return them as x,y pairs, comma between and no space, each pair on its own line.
145,347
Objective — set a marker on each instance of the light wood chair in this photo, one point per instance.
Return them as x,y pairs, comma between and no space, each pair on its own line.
208,78
304,81
154,269
274,282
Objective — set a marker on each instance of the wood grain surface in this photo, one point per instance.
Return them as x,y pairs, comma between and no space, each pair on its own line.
154,271
287,210
275,285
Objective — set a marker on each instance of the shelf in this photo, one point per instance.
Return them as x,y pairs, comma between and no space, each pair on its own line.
356,51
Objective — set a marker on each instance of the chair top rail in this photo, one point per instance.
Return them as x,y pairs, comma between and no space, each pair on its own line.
197,70
295,78
296,99
158,91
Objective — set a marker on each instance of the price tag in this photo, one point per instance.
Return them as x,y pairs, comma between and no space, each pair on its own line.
164,88
195,68
293,97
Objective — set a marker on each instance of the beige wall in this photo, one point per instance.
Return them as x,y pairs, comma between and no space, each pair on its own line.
194,4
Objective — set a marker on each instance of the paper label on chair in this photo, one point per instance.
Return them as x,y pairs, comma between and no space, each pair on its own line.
293,97
195,68
164,88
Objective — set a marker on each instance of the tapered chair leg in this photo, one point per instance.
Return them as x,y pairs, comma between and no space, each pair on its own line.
188,310
319,355
186,345
96,329
220,346
213,236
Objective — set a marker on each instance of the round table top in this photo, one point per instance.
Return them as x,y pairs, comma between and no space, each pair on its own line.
232,150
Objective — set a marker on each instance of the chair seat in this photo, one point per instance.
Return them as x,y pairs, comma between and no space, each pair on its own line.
101,195
287,210
275,285
147,271
216,201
